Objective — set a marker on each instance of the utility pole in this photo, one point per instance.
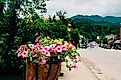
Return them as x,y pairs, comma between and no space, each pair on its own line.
120,33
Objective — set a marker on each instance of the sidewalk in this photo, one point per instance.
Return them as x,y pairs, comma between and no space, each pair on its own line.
82,73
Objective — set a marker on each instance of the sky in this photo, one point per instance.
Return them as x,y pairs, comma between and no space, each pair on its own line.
85,7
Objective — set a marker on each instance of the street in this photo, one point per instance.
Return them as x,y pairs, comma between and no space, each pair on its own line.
104,63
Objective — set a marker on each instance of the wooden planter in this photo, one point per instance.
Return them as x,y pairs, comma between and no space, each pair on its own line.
42,72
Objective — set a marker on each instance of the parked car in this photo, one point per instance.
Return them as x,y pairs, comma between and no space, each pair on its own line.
93,44
117,46
108,47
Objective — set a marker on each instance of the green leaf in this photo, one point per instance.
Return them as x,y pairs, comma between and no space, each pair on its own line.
1,42
36,61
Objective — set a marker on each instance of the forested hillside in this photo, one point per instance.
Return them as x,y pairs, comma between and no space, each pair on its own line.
92,26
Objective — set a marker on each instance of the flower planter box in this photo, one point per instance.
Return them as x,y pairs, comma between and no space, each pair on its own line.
43,59
42,71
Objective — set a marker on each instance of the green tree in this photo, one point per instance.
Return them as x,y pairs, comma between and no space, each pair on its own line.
10,12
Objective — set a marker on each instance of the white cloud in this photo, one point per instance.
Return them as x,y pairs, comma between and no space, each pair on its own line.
85,7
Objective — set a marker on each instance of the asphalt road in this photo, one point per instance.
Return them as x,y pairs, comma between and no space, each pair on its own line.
104,63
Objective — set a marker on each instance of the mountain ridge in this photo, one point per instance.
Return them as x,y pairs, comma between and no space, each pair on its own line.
111,19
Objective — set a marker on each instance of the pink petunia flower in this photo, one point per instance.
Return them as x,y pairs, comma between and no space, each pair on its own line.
74,65
52,47
47,47
36,34
37,46
43,51
24,54
47,53
19,54
31,46
19,50
59,43
76,59
64,47
22,46
79,60
36,56
43,61
37,39
58,49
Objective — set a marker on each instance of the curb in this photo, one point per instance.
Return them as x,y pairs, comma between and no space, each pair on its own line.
95,70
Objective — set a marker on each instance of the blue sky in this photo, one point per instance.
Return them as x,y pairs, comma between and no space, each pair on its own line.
85,7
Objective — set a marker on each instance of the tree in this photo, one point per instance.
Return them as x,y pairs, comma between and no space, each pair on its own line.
10,11
61,14
1,12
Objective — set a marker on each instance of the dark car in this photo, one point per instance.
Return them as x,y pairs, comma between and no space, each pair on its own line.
117,46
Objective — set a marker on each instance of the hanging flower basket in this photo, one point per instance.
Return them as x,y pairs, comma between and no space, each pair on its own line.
42,72
43,59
